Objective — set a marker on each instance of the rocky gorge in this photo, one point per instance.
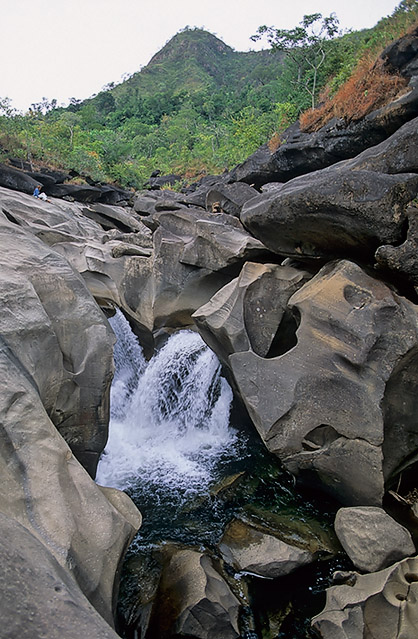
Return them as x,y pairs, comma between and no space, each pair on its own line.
299,270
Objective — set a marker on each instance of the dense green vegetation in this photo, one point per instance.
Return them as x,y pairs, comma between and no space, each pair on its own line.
197,107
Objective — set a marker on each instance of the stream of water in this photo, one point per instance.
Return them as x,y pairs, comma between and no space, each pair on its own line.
169,434
171,446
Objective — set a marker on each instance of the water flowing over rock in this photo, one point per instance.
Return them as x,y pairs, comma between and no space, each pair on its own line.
170,417
323,354
56,366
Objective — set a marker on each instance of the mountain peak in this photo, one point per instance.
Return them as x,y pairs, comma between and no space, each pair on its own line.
194,42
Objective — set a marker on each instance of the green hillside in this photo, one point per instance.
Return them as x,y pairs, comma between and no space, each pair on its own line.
198,107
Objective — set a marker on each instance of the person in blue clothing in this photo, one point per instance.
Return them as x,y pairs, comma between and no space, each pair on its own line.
37,193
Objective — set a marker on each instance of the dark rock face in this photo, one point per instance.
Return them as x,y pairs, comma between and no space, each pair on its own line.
159,181
332,214
52,181
402,55
302,153
17,180
349,209
81,193
229,197
403,259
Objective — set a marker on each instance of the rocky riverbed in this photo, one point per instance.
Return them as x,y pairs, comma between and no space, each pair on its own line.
299,270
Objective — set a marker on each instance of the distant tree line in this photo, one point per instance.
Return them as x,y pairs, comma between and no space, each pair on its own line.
179,118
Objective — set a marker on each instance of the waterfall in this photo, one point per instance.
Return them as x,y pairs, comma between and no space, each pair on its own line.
169,427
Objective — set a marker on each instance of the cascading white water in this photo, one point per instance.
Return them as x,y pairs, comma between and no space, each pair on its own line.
169,418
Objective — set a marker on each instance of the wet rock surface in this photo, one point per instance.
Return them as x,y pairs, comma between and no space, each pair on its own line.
321,349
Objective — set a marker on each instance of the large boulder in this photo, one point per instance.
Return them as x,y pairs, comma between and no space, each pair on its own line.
326,405
333,213
381,604
79,192
16,180
229,197
114,276
395,155
210,241
371,538
402,55
194,600
252,550
301,153
39,598
250,311
349,209
402,259
195,253
56,367
60,338
116,218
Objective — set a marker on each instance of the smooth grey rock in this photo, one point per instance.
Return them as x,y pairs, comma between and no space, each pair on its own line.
60,337
144,203
319,405
371,538
55,368
39,598
397,154
230,197
194,600
381,604
115,217
250,550
403,259
113,279
211,241
248,312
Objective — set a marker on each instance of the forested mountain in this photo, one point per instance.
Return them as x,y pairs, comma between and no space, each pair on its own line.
198,107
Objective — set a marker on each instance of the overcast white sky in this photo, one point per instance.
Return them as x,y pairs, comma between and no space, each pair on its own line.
72,48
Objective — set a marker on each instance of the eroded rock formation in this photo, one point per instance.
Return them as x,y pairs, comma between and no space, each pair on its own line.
381,604
322,349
